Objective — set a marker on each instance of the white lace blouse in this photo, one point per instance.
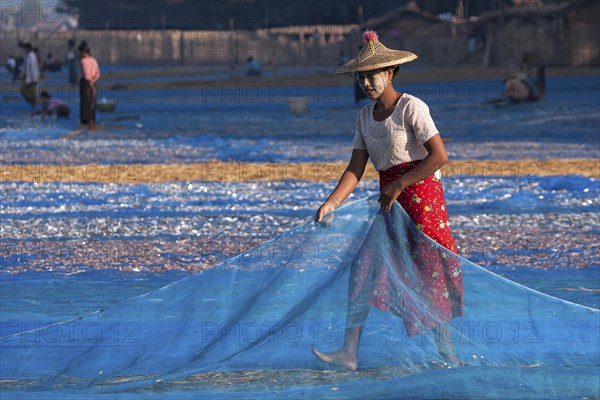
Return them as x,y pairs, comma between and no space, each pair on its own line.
399,138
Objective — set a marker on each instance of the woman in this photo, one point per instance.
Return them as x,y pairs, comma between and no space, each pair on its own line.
53,107
396,131
90,73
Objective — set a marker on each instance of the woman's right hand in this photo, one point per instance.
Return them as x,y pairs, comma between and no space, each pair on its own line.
326,208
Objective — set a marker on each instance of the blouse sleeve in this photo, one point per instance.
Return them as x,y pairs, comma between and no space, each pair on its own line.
359,140
419,118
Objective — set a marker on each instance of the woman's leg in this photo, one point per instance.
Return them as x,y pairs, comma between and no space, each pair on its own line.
83,115
347,355
418,200
445,347
92,107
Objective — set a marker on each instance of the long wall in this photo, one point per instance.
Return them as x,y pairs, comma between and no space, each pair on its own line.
225,48
567,41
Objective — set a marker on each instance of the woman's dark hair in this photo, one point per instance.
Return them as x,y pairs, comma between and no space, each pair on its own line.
84,48
396,68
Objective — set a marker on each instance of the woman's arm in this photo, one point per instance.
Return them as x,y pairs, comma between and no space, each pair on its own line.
435,159
350,178
96,71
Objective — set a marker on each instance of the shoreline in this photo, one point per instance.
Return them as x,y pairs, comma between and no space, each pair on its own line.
216,171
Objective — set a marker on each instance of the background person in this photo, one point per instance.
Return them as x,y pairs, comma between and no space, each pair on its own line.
53,107
90,73
11,64
522,86
253,67
72,62
30,75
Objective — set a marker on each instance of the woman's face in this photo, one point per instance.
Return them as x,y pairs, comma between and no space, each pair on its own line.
373,83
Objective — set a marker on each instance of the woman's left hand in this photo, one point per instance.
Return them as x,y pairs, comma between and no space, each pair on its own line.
389,194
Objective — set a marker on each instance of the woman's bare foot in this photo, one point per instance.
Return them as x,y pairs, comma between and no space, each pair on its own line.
340,357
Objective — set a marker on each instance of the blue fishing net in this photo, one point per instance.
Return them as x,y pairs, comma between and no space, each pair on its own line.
246,327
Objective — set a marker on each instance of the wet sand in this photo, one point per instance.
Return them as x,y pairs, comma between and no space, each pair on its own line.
242,172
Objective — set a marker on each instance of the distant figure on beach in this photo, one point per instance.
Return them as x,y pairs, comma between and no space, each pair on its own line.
475,41
50,64
253,67
90,73
521,86
72,62
49,59
30,75
397,133
11,64
19,61
53,107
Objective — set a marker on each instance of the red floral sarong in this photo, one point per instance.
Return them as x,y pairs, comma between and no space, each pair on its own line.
424,284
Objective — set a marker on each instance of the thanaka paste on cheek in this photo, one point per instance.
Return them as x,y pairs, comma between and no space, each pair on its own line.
379,83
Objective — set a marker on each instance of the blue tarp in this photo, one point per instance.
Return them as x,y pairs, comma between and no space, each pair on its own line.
245,329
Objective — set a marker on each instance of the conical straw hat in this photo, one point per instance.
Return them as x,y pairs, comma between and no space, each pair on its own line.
374,55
